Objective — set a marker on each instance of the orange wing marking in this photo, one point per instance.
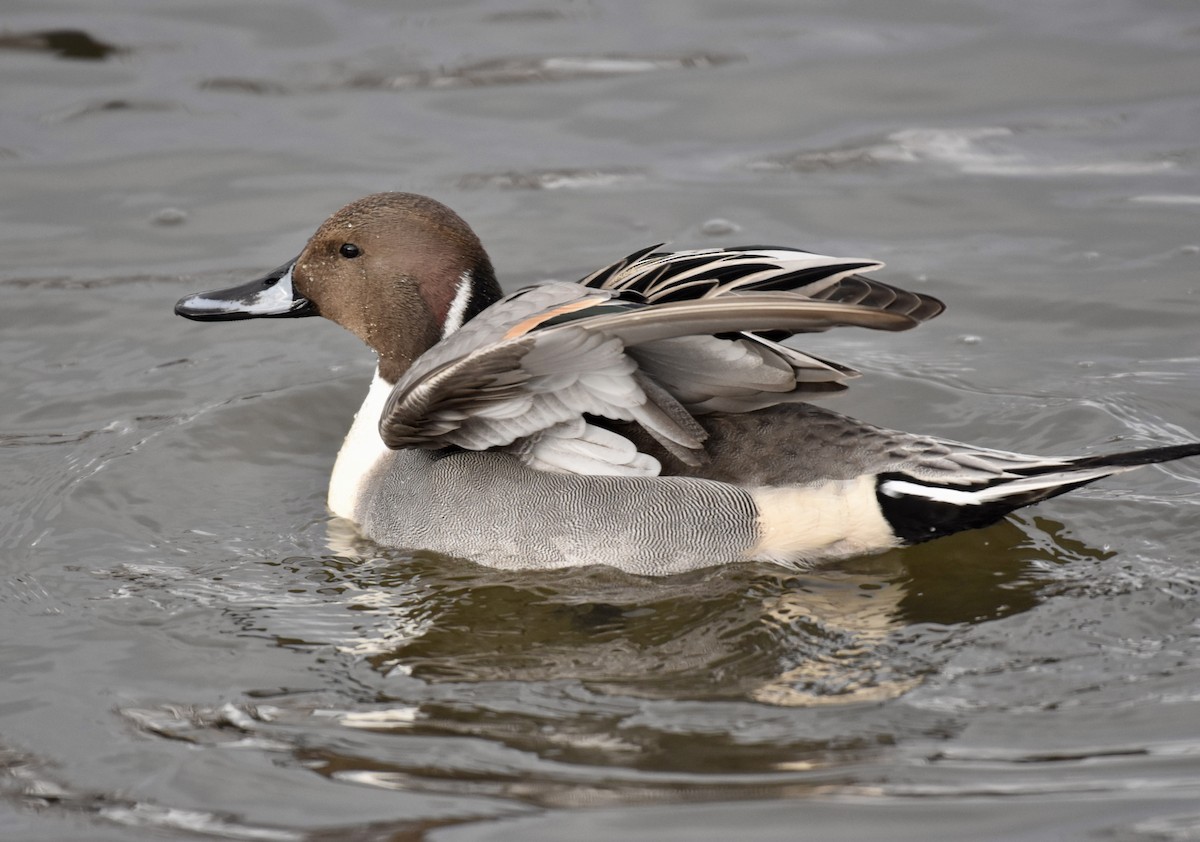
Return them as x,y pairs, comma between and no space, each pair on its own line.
523,327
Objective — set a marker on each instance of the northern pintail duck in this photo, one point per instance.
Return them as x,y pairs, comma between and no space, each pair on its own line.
646,417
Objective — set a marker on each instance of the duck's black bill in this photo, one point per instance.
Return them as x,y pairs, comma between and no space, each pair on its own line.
269,297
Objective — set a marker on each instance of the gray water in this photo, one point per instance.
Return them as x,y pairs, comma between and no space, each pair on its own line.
184,654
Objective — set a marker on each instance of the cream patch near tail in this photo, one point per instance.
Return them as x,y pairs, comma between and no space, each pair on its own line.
829,520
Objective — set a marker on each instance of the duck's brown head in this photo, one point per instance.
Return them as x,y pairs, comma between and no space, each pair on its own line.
398,270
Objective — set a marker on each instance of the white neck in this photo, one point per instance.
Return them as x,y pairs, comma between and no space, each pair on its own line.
361,451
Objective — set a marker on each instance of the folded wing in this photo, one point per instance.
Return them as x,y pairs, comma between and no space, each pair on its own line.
652,339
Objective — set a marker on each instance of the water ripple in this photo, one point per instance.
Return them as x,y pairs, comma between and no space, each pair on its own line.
500,71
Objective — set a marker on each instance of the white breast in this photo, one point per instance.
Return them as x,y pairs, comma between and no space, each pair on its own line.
361,451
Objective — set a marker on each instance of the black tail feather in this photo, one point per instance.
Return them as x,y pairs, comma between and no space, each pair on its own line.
915,517
1134,458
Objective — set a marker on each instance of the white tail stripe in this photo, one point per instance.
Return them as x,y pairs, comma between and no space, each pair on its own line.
958,497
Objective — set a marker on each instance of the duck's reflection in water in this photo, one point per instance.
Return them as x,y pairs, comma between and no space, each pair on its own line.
852,633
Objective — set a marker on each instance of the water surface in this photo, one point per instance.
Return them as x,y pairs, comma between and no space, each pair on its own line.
190,647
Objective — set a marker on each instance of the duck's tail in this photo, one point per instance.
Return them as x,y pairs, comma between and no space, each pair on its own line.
919,509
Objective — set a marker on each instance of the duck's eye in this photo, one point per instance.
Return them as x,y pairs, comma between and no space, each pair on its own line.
349,250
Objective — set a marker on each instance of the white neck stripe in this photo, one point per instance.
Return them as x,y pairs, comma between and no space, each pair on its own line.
458,307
